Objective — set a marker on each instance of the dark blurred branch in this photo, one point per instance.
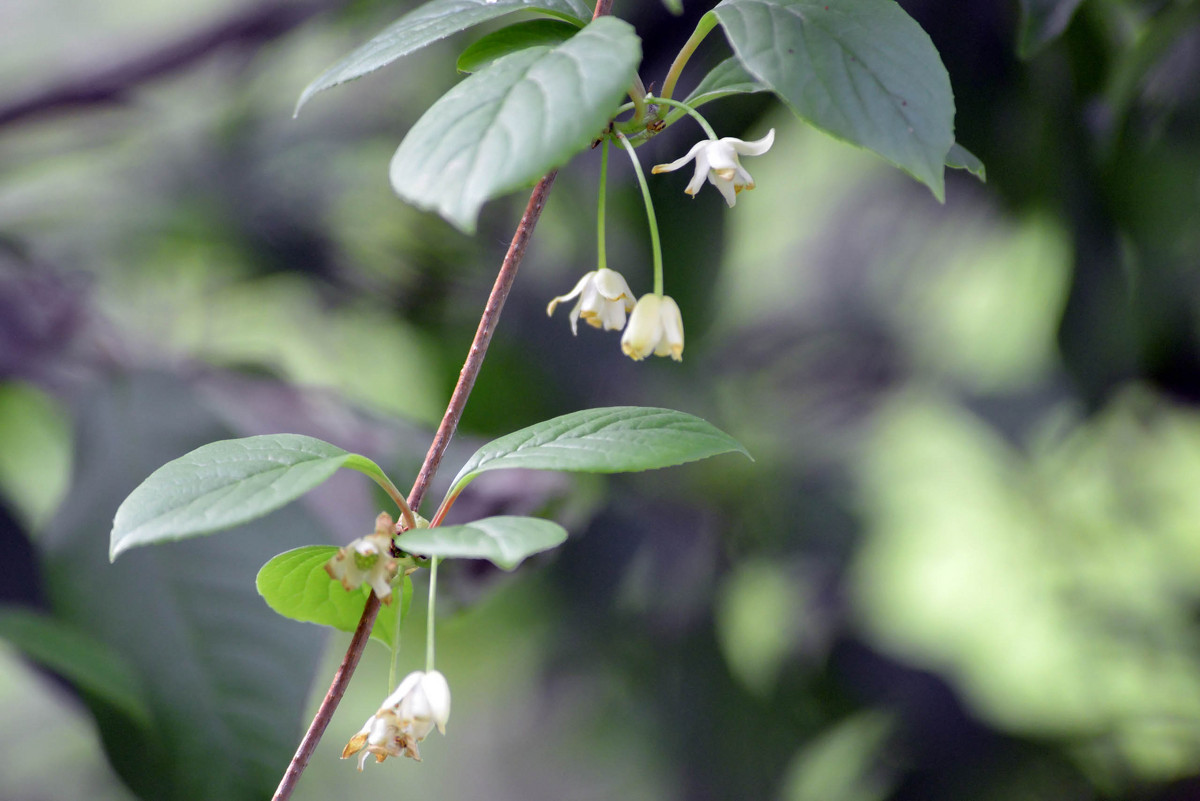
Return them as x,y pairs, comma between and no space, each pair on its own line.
246,29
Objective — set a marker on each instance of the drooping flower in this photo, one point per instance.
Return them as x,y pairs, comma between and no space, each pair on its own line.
604,300
718,161
420,702
655,326
367,560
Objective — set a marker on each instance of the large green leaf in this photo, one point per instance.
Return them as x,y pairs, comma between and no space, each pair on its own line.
524,115
860,70
615,439
497,44
225,484
504,541
73,654
296,585
226,680
427,24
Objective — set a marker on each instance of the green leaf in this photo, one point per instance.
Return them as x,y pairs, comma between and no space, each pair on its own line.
861,70
535,33
503,541
727,78
295,585
73,654
226,679
674,6
1043,21
615,439
503,128
959,158
427,24
225,484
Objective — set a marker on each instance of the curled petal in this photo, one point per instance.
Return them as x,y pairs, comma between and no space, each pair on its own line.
755,148
553,304
679,162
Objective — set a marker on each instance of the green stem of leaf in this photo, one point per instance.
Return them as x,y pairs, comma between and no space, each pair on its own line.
637,93
708,129
601,257
703,28
369,468
655,244
433,566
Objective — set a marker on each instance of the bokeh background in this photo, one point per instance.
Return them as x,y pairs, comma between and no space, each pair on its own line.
965,563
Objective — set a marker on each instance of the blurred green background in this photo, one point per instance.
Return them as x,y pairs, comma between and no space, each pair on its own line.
964,565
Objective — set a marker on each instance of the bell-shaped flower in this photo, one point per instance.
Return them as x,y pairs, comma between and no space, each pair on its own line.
604,300
655,326
718,161
420,702
367,560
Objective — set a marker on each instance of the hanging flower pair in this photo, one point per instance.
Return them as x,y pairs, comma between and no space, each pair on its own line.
655,324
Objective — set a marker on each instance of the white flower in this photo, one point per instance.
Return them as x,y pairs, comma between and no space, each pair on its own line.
421,702
719,161
604,300
367,560
654,327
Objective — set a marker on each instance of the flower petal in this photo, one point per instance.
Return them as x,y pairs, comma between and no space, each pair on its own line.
725,187
755,148
612,286
701,172
552,305
679,162
644,328
672,325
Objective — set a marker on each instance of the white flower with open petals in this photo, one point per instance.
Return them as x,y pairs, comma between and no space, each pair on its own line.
655,326
367,560
604,300
420,702
718,161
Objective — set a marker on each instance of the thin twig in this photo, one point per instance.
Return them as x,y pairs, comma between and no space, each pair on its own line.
483,335
458,401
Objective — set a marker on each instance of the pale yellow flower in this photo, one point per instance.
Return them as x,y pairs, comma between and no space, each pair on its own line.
604,300
420,702
718,161
655,326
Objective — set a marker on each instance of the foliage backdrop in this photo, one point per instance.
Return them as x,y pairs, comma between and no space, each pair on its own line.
965,563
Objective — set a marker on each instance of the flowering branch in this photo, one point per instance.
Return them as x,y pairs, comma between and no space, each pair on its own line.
433,459
458,401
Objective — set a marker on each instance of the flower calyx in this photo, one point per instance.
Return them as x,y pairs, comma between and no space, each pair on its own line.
420,703
718,161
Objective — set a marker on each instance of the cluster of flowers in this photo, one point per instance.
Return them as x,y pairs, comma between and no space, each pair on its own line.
655,325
